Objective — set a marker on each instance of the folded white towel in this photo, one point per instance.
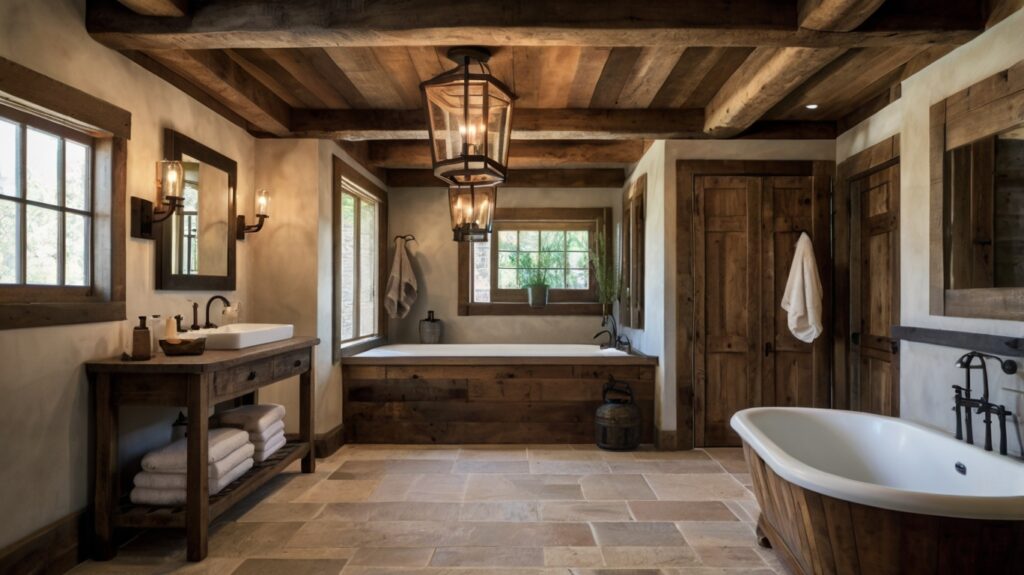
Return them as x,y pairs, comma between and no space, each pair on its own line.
802,298
176,495
222,443
218,470
258,437
262,445
401,289
252,418
272,446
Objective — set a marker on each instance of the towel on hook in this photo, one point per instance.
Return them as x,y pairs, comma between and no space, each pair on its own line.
401,288
802,299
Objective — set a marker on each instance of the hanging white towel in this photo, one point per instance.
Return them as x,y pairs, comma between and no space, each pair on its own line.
802,299
401,288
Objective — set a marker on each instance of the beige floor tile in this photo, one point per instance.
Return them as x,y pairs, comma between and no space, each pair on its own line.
500,511
568,467
616,488
271,512
666,466
289,486
714,571
485,466
637,533
413,511
392,557
696,486
729,557
573,557
375,469
446,488
339,491
744,479
488,557
493,453
617,572
548,453
373,534
523,488
350,511
291,566
717,533
651,454
646,556
585,511
476,534
247,539
744,509
306,553
731,458
682,511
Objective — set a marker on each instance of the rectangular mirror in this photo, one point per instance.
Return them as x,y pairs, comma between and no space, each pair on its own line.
196,246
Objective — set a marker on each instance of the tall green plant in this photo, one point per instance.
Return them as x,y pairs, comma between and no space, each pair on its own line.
533,271
606,270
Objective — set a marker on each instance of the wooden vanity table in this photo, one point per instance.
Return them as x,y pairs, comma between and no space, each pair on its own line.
195,382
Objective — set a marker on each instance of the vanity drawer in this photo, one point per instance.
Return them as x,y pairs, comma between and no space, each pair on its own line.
292,363
244,378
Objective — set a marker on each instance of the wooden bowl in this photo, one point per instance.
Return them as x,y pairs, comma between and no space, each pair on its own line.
184,347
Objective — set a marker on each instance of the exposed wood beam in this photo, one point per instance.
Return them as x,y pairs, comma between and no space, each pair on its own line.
526,154
527,124
232,85
834,15
164,8
313,23
575,178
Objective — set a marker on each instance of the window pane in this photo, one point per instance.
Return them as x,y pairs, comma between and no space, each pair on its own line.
529,241
348,266
367,268
42,262
553,260
507,279
578,260
576,241
8,159
8,242
76,254
482,271
507,240
41,166
555,279
577,279
506,259
552,241
76,175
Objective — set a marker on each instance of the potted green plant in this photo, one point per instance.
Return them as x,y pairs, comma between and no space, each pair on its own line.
533,277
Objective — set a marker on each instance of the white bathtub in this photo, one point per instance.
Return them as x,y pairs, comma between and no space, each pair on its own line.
490,350
883,462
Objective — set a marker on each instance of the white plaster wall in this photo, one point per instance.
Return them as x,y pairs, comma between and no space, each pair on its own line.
926,371
45,409
423,212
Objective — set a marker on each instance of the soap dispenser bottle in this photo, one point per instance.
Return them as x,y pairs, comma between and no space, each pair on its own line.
142,341
430,329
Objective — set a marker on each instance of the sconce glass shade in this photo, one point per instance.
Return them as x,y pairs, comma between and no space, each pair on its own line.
170,181
263,202
472,211
469,119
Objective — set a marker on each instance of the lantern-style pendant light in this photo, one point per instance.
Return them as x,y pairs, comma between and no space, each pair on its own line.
472,211
469,117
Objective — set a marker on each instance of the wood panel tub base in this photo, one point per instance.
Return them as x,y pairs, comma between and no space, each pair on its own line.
818,534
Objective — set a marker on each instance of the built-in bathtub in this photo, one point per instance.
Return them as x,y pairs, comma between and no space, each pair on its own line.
849,492
487,393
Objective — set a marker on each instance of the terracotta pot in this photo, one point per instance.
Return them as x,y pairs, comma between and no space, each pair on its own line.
537,296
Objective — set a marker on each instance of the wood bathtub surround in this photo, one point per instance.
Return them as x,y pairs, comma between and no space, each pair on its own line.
817,534
486,400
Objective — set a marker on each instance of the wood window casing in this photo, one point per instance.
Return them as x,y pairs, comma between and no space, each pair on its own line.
513,302
368,191
39,101
633,254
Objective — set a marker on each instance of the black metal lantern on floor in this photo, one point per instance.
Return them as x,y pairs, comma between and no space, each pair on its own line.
469,118
472,210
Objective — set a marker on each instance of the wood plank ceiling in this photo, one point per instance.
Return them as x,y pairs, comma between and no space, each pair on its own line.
584,71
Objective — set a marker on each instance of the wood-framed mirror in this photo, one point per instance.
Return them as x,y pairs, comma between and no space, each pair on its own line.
977,200
196,247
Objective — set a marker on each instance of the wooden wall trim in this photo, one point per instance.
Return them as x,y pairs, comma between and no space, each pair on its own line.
54,548
995,344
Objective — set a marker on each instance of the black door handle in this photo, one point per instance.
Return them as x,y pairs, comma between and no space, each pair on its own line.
768,349
855,338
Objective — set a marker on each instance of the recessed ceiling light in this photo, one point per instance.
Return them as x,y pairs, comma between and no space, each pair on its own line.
811,106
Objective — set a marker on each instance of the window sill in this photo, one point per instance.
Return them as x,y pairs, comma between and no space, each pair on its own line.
23,315
358,346
581,309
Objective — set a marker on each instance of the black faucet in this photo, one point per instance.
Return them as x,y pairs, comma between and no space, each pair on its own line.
963,402
209,302
612,331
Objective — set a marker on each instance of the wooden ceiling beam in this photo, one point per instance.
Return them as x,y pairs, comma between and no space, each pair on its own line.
834,15
163,8
528,154
217,24
574,178
527,124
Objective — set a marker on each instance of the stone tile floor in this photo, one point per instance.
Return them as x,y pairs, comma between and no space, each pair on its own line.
503,510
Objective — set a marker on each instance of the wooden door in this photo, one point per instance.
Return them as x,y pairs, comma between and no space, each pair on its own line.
727,310
875,291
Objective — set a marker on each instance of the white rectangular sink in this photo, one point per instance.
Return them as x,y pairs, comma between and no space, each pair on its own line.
242,335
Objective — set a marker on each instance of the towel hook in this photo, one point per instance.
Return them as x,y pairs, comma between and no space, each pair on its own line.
406,237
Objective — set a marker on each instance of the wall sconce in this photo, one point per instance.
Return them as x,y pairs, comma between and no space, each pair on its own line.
262,213
170,181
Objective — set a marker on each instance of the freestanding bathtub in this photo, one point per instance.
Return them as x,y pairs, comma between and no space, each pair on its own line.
849,492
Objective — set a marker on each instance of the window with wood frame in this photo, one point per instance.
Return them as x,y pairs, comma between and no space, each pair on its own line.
557,240
360,226
634,216
63,157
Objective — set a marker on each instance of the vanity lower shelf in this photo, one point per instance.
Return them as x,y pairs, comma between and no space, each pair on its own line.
152,516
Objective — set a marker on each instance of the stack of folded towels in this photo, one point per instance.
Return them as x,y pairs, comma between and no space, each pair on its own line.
264,424
162,479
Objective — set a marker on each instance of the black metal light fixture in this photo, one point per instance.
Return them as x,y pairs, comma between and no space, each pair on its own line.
170,182
469,116
472,210
262,214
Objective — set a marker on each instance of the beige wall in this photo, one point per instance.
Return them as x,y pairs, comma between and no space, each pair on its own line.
45,409
926,371
423,212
